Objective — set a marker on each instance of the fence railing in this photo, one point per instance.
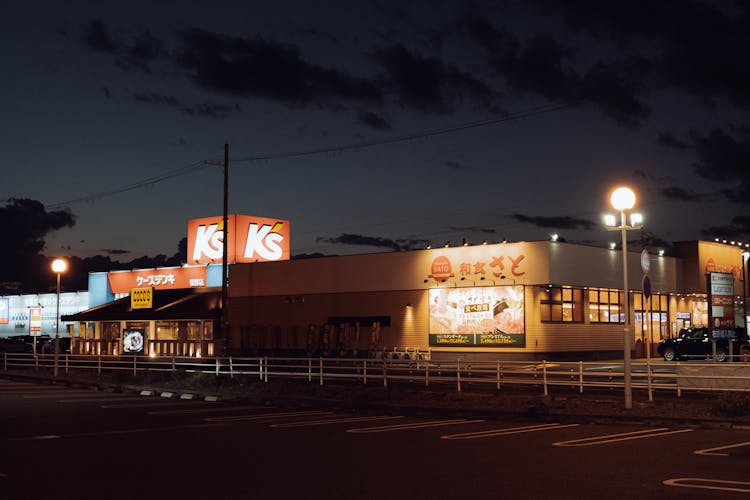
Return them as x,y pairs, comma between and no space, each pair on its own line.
545,375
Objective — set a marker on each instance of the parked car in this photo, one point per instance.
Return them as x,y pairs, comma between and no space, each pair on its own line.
698,343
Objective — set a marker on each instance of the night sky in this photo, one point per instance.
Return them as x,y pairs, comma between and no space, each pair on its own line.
376,125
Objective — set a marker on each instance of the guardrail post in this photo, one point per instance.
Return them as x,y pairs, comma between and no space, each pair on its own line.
580,377
458,375
36,363
217,366
499,376
544,377
427,374
66,362
99,365
364,372
309,369
5,361
265,377
320,366
385,374
173,365
648,378
260,368
231,367
135,365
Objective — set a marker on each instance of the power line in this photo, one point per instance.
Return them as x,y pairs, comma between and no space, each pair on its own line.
198,165
170,174
409,137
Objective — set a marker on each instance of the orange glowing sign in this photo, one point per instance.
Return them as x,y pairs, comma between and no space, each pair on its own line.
165,278
251,239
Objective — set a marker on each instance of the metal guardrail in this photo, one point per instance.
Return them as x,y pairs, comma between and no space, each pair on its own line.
577,376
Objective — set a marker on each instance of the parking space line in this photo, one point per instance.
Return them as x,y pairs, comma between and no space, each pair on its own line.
110,433
507,430
710,451
311,423
624,436
267,416
709,484
210,410
417,425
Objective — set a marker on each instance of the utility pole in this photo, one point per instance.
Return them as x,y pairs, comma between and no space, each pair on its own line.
224,258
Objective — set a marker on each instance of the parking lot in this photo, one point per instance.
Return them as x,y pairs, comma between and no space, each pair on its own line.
92,444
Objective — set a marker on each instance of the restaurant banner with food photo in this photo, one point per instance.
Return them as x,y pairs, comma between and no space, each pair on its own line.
489,316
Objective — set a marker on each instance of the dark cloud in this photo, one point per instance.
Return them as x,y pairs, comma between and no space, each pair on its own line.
428,85
561,222
477,229
111,251
143,49
27,222
372,120
668,140
739,228
702,45
722,158
374,241
211,110
543,66
455,165
255,67
97,37
316,33
682,194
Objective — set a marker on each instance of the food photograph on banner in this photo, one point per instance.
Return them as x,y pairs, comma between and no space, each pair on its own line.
477,316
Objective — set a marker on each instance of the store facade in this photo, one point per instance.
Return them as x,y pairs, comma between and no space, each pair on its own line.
518,300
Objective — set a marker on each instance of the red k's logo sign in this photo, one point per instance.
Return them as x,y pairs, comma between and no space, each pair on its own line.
251,239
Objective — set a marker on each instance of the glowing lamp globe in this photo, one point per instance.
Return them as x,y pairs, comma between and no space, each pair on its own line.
59,265
622,198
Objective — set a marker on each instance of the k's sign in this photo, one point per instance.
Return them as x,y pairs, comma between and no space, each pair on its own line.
251,239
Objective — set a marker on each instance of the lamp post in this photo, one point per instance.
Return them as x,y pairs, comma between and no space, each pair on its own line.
58,267
745,256
623,200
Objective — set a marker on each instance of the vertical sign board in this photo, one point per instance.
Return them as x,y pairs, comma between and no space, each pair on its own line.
721,304
35,320
4,311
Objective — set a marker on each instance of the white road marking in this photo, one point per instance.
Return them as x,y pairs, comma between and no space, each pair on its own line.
710,451
417,425
509,430
625,436
44,437
208,410
3,474
709,484
267,416
332,421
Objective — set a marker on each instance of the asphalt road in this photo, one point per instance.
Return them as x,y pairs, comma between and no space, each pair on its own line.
61,442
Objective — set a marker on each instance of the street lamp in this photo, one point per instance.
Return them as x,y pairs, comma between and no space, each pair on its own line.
623,199
58,267
745,256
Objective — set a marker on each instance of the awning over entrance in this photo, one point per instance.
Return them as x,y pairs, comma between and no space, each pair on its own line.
193,304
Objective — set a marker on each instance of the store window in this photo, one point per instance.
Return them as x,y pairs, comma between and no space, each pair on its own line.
605,306
657,307
561,304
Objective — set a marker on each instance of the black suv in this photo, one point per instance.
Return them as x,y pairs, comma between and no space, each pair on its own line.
697,343
25,343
